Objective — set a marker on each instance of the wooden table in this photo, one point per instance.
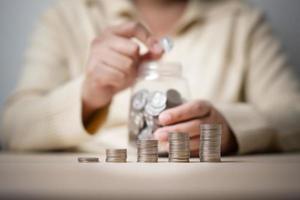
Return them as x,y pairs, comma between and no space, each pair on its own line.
60,176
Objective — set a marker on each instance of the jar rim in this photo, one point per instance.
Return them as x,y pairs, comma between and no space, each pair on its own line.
161,67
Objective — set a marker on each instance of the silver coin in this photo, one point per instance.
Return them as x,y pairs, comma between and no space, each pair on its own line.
115,161
157,99
116,155
139,99
179,147
173,98
210,137
210,143
136,122
139,120
116,150
147,150
151,121
179,160
88,159
210,159
154,111
146,133
167,44
148,160
211,127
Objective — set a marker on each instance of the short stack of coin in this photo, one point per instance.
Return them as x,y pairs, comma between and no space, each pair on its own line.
147,150
210,143
116,155
88,159
179,147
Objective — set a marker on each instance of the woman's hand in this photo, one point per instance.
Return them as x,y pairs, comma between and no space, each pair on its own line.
188,118
113,62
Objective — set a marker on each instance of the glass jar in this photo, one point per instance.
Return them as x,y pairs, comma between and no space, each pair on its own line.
159,86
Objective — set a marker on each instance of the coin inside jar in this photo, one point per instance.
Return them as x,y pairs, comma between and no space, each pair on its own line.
173,98
146,107
157,99
140,99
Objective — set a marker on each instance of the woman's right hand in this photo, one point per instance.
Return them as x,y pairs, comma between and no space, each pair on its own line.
112,63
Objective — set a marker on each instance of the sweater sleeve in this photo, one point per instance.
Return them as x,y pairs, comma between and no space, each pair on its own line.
44,112
269,118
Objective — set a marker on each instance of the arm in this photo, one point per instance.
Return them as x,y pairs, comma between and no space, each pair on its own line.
266,119
269,119
45,110
49,110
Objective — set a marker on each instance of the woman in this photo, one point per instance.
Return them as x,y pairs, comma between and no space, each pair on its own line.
82,62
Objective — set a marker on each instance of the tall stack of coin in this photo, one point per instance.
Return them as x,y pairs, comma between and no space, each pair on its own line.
179,147
210,143
116,155
147,150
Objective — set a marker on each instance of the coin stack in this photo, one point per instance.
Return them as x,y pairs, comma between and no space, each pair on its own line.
210,143
116,155
147,150
179,147
88,159
145,109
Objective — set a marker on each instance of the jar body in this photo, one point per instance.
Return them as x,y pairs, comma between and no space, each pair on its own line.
159,86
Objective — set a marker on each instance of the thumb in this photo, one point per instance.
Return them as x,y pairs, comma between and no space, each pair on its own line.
155,50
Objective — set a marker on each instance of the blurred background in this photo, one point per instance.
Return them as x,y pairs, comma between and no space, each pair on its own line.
18,19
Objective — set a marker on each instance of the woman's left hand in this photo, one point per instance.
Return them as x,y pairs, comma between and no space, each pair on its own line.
187,118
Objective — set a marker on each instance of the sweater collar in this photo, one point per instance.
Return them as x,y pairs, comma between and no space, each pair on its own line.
196,10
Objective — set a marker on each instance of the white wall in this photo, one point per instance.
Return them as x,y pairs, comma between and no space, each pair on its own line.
18,17
17,20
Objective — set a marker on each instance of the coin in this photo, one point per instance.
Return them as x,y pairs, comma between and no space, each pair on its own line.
153,111
173,98
210,143
167,44
139,99
146,106
179,147
147,150
211,127
146,133
116,155
157,99
88,159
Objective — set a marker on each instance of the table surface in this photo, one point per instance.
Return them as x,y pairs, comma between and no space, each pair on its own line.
60,176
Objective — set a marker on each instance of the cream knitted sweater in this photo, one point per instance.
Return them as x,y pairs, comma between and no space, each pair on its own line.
230,58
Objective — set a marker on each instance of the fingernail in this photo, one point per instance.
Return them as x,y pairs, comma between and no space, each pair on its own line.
164,118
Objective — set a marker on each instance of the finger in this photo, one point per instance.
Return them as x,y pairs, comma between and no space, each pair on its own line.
124,46
155,53
132,29
190,127
194,144
187,111
156,50
106,75
118,61
163,146
137,30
